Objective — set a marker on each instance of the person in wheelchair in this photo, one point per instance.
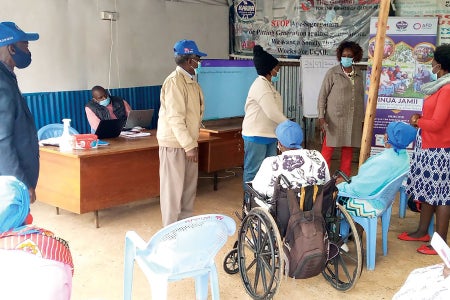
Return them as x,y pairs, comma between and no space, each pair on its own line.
382,168
300,166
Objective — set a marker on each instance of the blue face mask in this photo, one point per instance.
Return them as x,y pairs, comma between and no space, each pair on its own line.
276,77
105,102
22,59
346,62
433,77
199,66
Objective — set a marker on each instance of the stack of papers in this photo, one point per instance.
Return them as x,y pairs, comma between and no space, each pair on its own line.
134,134
54,141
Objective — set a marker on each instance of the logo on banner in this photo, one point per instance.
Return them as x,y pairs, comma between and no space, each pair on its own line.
246,10
401,25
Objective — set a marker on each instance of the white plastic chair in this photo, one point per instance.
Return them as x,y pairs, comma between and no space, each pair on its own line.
386,196
186,248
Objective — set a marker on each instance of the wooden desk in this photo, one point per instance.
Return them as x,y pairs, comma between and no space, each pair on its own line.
84,181
226,151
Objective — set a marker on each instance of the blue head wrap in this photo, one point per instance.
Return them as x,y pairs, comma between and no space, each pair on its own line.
14,203
400,135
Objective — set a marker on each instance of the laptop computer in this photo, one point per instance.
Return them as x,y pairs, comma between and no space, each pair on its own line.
109,128
142,118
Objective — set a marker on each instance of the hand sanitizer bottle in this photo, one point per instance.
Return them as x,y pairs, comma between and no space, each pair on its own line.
66,140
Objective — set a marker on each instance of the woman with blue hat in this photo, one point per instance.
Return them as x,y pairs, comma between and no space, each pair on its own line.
301,167
34,264
381,168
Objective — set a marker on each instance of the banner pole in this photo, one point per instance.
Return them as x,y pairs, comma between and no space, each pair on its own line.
371,107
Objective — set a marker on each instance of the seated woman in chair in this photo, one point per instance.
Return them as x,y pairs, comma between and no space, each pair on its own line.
382,168
34,263
300,166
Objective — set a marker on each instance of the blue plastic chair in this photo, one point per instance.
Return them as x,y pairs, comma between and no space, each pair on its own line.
402,209
183,249
53,130
386,196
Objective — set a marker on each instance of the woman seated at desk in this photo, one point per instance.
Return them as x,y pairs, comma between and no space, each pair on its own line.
105,107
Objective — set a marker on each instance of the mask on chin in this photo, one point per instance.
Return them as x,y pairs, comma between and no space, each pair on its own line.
21,58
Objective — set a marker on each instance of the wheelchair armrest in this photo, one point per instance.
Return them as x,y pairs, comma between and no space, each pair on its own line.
249,187
340,173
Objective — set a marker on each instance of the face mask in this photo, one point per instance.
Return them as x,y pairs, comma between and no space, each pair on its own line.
433,77
21,58
276,77
199,66
346,62
105,102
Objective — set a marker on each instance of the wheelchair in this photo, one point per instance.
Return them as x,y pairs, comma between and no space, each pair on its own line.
258,252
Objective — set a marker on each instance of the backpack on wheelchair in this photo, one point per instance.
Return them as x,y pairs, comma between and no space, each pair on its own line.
260,255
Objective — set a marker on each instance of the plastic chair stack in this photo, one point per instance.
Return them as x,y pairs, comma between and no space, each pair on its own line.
53,130
386,196
184,249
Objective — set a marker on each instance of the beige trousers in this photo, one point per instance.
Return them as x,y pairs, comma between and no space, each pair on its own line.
178,184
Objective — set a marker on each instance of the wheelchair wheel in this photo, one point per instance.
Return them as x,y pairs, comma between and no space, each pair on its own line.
344,270
259,247
230,263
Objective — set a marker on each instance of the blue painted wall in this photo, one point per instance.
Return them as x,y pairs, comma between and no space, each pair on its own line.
52,107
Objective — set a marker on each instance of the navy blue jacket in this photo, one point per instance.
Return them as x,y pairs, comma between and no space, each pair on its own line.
19,148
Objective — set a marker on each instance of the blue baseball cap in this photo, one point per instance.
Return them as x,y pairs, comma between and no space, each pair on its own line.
289,134
10,33
186,47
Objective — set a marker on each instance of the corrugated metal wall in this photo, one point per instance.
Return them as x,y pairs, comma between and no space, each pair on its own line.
289,88
52,107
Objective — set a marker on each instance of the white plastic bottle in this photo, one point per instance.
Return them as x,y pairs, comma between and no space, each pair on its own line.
66,139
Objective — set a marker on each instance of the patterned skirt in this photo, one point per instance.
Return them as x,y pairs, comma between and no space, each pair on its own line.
429,177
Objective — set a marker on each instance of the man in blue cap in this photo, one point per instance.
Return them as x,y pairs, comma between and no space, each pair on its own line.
18,136
179,120
301,167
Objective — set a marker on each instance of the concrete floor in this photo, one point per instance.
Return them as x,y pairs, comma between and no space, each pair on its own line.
98,253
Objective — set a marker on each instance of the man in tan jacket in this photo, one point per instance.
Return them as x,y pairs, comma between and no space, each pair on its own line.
179,121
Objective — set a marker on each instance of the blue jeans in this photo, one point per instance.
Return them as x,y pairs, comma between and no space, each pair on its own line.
254,154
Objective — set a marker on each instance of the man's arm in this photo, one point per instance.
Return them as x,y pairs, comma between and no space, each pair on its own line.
9,160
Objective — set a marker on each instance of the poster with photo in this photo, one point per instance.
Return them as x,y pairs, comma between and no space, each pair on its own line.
407,54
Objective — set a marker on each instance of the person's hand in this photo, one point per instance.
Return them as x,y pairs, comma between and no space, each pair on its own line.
32,193
414,119
192,155
446,271
323,124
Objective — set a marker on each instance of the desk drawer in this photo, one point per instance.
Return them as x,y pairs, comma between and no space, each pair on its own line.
221,154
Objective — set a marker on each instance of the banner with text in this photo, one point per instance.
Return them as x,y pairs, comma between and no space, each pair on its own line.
428,8
292,28
407,54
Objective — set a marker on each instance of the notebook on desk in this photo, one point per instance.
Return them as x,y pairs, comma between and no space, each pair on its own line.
141,118
109,128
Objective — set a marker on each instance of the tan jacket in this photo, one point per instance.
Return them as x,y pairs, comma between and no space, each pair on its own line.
341,103
263,109
181,111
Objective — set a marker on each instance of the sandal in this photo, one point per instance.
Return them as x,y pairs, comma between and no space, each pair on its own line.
405,237
428,250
